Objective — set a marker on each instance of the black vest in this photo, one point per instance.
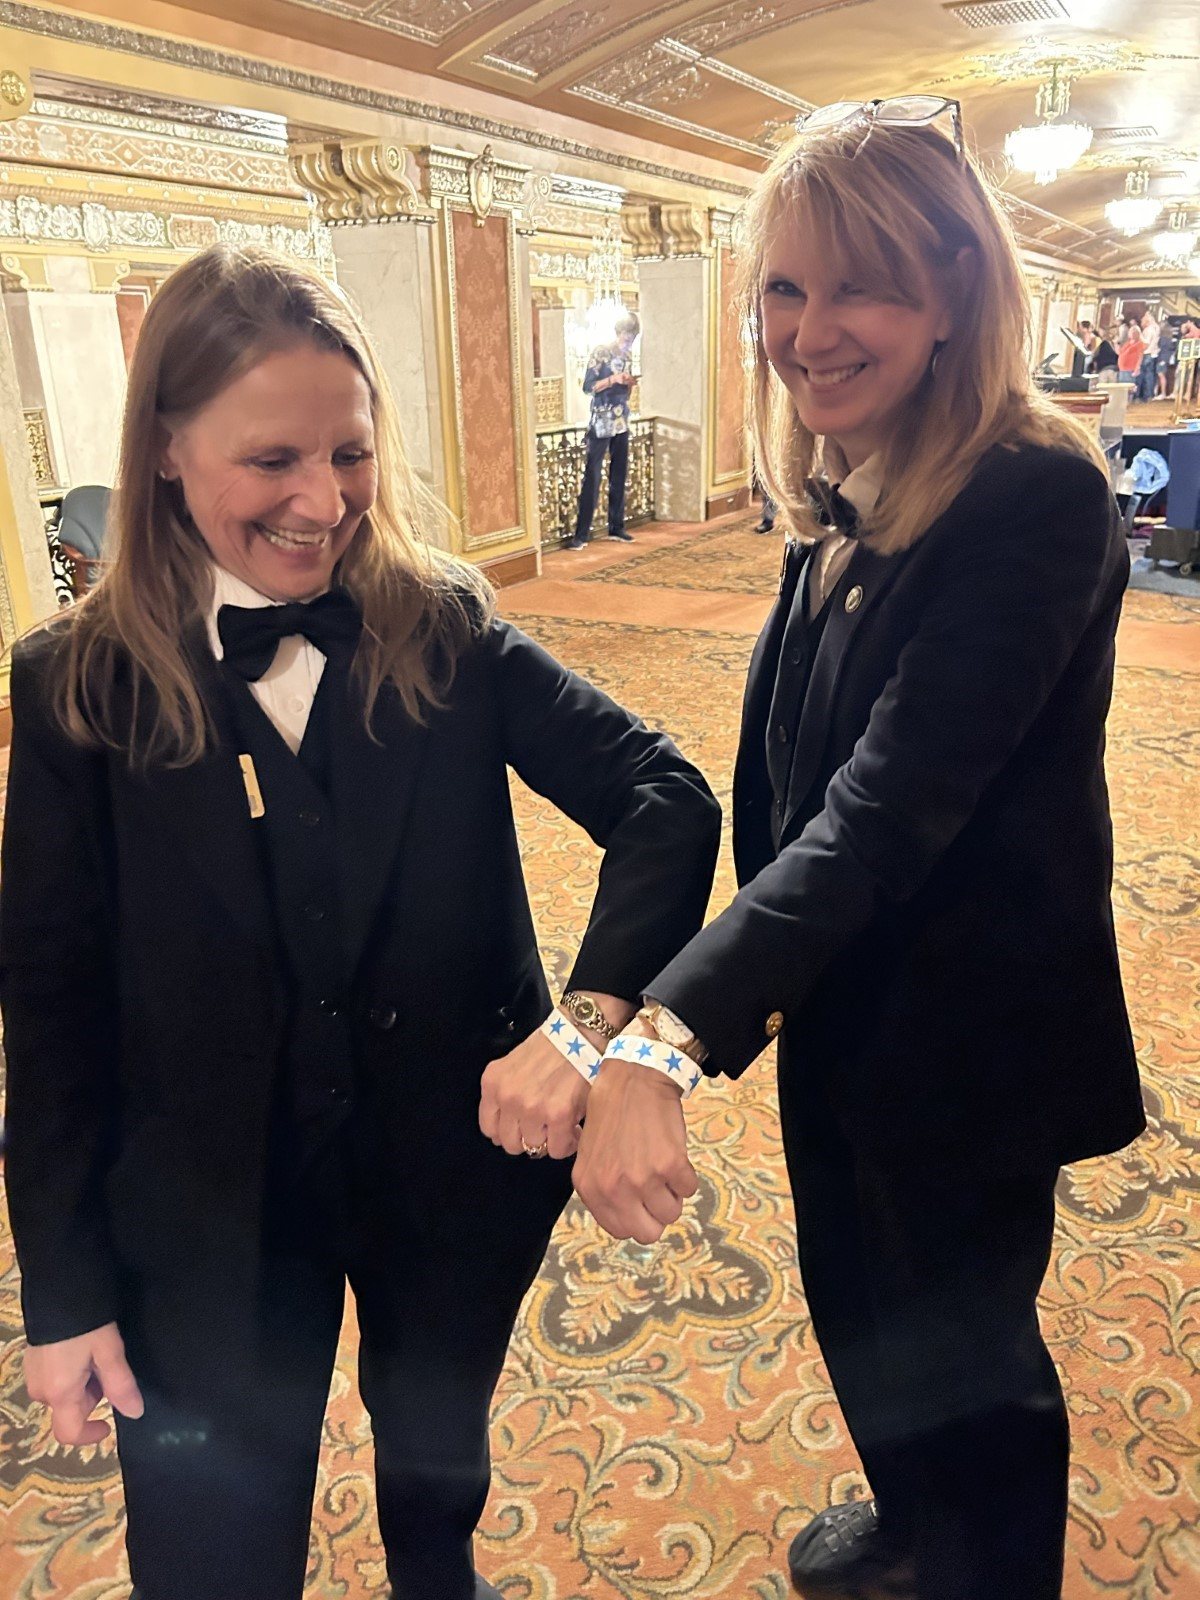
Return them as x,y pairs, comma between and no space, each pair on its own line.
298,848
797,652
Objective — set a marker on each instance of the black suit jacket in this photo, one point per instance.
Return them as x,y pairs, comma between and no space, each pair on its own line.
142,991
935,930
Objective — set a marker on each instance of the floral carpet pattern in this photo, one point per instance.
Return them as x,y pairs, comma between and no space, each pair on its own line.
665,1422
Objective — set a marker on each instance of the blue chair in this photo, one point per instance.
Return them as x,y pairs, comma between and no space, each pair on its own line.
81,530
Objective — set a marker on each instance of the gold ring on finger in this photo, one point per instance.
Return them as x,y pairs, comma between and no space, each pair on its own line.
535,1152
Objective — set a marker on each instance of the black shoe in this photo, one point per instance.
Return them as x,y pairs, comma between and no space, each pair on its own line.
622,537
764,527
575,544
843,1555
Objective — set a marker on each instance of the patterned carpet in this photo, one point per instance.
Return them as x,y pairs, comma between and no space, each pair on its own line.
665,1423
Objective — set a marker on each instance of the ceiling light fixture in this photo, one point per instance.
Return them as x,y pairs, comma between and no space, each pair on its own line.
1136,210
1177,243
1050,146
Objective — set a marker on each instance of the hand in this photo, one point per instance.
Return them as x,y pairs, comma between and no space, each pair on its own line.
74,1375
530,1095
632,1171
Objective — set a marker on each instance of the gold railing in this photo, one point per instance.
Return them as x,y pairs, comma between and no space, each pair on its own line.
561,456
548,405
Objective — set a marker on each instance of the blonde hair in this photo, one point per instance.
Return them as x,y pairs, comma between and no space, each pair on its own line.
213,320
877,211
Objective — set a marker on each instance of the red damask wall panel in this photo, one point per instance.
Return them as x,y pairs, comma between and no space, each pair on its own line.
729,455
482,298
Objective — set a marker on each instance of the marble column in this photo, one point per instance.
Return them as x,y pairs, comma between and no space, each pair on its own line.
82,362
675,357
389,271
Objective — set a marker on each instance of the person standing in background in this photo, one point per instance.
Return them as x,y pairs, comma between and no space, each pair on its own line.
1129,357
1168,343
608,380
1148,371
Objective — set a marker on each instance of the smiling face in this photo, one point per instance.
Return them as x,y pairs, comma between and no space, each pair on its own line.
278,469
851,357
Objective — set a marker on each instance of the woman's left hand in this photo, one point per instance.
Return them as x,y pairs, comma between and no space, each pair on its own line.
530,1096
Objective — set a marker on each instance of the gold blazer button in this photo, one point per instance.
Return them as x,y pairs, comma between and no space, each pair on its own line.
774,1024
854,599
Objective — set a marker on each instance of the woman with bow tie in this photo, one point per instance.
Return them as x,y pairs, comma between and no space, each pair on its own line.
262,930
923,844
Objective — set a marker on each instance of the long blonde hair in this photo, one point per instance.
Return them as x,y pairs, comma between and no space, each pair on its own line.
213,320
877,211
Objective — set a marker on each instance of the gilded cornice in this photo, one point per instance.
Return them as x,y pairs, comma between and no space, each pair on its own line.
45,138
357,181
203,58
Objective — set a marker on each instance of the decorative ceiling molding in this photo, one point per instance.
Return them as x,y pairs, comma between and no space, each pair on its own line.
1074,56
695,129
202,58
744,80
423,21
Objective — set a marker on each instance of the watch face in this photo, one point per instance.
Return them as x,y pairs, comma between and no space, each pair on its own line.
672,1030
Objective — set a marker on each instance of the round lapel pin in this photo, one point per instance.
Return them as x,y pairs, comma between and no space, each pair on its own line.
854,599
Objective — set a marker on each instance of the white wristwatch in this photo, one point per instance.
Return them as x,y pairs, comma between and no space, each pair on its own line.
673,1030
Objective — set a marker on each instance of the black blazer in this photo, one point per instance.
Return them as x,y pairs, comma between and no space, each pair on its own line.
935,932
143,999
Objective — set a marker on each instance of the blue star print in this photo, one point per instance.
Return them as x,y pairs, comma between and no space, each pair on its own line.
557,1025
673,1063
575,1048
646,1050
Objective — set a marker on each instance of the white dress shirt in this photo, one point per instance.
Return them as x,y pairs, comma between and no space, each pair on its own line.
288,687
862,488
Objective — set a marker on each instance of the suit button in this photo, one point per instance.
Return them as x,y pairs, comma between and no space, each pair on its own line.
797,656
310,819
329,1008
774,1024
383,1017
781,732
854,599
339,1095
315,913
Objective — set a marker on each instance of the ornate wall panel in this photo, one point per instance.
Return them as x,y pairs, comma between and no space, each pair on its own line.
484,331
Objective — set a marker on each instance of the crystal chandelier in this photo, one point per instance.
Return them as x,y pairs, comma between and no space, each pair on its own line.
1136,210
604,276
1050,146
1177,243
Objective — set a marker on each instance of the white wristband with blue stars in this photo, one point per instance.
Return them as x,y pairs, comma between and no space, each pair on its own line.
569,1042
658,1054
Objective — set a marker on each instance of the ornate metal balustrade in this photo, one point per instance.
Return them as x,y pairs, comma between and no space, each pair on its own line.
548,402
561,455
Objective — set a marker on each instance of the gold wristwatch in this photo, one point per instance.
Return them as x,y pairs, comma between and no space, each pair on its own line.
673,1030
584,1010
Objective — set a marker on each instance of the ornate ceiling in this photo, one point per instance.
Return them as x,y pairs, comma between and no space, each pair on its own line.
725,80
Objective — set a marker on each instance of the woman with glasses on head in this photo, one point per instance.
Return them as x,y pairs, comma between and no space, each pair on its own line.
923,843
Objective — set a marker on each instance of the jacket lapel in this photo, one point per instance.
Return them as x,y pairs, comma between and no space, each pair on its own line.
751,838
867,577
208,808
374,784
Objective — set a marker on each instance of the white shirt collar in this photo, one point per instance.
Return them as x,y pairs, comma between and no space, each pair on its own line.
864,485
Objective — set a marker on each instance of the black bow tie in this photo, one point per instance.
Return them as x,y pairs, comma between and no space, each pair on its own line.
831,509
251,634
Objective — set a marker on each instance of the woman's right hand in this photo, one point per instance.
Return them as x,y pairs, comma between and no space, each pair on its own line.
73,1376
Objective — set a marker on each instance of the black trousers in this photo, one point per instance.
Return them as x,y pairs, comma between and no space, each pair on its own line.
219,1484
922,1286
618,472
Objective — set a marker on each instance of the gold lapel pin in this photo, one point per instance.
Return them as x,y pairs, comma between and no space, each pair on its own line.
253,792
854,599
